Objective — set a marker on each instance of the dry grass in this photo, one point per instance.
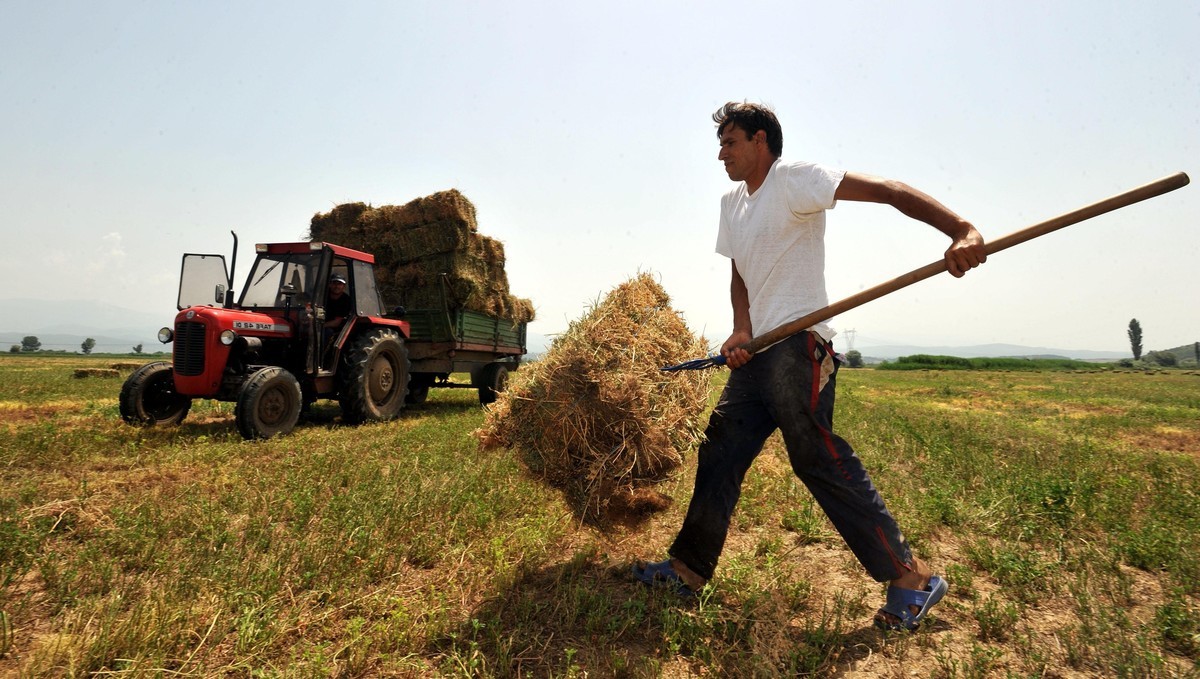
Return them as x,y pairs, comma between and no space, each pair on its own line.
595,417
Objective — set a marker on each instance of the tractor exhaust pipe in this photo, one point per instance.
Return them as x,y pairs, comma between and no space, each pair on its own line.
232,265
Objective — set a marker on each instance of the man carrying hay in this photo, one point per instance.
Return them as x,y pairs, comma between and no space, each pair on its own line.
772,228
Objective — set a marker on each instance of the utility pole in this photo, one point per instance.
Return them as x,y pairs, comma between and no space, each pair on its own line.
850,339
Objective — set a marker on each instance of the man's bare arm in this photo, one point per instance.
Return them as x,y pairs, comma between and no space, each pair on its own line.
743,332
967,249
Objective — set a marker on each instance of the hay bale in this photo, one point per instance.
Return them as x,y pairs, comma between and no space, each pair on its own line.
595,417
426,250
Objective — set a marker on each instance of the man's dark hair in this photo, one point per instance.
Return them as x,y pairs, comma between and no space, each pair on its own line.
751,118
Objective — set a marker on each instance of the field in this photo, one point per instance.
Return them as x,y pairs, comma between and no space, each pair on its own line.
1061,506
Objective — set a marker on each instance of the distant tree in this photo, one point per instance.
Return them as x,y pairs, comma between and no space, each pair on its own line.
14,349
854,358
1196,347
87,345
1135,339
30,343
137,349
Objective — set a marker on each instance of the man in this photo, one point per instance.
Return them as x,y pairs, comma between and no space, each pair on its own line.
772,228
337,304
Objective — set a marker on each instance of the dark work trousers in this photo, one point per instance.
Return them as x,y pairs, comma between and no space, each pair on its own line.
789,387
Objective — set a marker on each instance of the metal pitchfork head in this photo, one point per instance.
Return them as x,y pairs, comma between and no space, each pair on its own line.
696,364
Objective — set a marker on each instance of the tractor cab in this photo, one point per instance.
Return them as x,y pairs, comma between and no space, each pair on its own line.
284,275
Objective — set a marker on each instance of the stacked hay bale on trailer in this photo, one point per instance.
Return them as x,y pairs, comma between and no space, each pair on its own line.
431,259
429,253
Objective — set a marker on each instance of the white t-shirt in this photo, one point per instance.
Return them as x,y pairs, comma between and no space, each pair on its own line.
776,237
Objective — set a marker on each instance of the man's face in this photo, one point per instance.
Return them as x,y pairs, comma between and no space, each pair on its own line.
337,288
739,152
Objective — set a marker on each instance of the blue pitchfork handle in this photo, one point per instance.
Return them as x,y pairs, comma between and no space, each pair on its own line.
1155,188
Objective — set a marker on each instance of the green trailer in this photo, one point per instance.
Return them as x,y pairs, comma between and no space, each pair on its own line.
446,341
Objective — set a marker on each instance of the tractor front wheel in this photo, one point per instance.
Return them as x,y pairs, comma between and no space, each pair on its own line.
373,379
148,397
268,404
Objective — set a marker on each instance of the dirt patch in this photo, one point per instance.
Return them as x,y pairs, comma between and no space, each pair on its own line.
26,600
108,373
15,415
18,413
1170,439
974,404
1077,411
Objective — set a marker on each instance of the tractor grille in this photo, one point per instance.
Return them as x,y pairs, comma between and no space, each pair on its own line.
189,348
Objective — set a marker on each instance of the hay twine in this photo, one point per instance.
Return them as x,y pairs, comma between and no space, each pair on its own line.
416,243
596,418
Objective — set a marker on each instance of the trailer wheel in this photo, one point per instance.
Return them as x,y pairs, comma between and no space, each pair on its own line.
373,379
268,404
148,397
418,389
493,379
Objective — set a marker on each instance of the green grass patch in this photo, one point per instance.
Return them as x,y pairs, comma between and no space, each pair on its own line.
931,362
1061,506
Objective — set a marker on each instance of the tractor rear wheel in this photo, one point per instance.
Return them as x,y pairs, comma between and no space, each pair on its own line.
373,377
268,404
148,397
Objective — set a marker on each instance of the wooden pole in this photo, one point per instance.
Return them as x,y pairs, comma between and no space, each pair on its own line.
1151,190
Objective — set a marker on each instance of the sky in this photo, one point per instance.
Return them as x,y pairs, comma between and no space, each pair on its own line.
582,132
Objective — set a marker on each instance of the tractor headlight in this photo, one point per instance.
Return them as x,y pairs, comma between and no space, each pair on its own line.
228,337
165,335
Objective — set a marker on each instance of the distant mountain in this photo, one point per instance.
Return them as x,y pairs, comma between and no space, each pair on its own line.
65,324
536,344
889,353
1185,351
78,316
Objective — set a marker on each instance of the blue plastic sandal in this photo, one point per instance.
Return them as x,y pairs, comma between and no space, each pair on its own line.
660,574
899,600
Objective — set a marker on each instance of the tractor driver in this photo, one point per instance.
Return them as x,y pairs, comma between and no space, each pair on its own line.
337,305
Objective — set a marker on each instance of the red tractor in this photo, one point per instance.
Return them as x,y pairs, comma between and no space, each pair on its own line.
269,351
